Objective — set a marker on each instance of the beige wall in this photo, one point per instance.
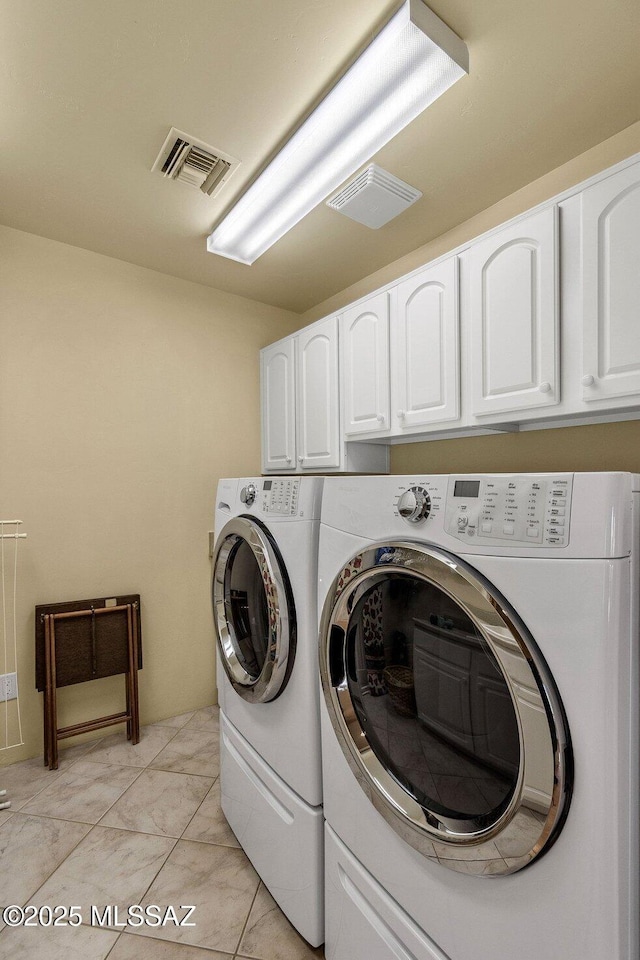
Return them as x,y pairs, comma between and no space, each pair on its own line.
605,446
124,395
602,447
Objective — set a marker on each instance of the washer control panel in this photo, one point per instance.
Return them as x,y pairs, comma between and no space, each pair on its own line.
514,510
280,495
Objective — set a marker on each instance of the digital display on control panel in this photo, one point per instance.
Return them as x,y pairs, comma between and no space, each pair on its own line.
267,484
466,488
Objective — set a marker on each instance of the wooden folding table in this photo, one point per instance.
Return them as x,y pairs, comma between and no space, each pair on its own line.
85,640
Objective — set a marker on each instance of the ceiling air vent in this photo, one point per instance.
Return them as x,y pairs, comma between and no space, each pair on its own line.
184,158
374,197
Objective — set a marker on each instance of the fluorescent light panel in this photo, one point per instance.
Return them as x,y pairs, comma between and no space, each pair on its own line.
409,64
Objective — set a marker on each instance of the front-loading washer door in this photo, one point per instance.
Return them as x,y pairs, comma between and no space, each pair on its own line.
445,708
253,611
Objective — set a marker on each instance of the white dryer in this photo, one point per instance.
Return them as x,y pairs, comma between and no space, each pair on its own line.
264,594
479,650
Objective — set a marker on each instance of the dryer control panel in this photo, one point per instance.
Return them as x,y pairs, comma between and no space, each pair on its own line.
510,509
280,495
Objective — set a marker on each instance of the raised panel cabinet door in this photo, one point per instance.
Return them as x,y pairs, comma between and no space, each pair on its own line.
425,351
443,698
611,286
513,302
318,401
277,382
364,366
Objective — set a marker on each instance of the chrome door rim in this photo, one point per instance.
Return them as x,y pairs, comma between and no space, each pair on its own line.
281,642
520,833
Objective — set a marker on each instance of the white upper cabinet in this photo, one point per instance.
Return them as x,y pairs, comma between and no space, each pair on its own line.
425,351
513,303
470,343
318,409
611,286
300,398
364,362
277,375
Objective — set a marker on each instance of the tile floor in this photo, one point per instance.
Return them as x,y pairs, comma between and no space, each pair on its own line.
121,824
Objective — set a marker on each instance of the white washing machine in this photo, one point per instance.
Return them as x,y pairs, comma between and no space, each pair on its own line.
264,595
479,661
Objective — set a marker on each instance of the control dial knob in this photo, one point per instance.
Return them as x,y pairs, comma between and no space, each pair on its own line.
414,504
248,494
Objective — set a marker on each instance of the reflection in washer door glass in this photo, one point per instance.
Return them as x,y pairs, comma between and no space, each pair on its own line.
432,699
246,606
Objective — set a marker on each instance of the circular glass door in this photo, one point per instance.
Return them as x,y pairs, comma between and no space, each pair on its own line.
253,611
445,709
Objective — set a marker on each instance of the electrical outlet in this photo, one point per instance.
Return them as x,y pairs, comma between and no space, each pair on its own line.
8,686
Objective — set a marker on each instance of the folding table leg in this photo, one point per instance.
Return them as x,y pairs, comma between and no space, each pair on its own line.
134,615
47,691
53,713
133,672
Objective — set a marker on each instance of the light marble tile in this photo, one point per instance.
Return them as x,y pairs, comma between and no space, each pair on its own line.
192,750
5,814
68,755
209,824
117,749
144,948
83,792
158,802
207,718
24,780
108,867
221,884
30,849
269,935
56,943
175,722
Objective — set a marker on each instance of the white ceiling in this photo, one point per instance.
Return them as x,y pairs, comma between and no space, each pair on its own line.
89,90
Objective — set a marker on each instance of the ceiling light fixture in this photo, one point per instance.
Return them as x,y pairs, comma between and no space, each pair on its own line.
409,64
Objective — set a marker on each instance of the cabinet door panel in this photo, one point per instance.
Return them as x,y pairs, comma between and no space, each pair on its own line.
365,366
514,317
425,347
318,406
277,376
492,710
443,698
611,286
